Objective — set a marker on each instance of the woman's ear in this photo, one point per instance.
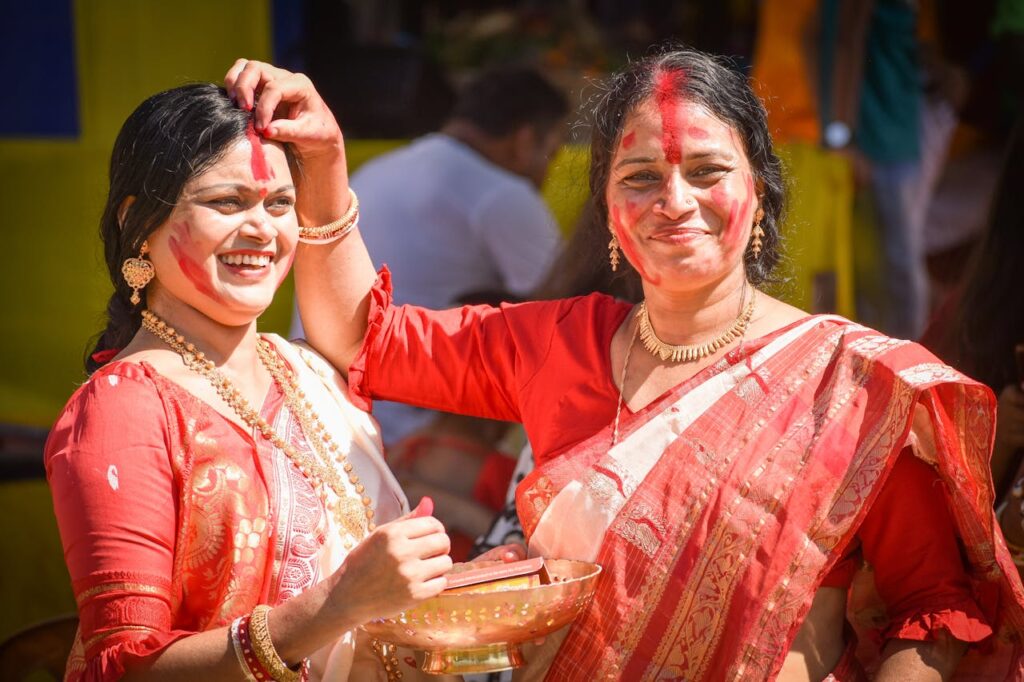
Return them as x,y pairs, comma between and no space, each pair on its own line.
122,210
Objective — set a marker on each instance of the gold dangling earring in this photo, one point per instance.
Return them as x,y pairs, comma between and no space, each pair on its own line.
758,233
613,252
138,272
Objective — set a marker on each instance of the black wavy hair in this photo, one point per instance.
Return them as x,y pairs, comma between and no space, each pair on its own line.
171,137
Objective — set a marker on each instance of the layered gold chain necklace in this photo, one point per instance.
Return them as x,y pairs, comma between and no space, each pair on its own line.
321,471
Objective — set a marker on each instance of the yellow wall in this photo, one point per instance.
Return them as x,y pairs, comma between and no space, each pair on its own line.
54,282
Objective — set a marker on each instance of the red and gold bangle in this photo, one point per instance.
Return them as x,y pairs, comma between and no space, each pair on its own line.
264,649
333,231
242,642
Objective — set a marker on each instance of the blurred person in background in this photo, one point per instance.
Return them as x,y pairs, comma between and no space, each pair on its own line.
981,332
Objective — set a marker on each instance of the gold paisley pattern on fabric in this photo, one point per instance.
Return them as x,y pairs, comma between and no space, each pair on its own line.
642,527
222,559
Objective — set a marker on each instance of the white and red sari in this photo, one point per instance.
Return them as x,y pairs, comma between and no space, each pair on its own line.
724,505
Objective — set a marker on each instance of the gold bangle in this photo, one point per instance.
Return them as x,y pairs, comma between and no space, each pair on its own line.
339,227
264,649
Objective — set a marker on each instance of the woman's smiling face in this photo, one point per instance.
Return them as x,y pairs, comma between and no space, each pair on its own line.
230,240
681,194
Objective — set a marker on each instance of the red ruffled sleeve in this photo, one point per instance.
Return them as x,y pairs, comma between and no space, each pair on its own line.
114,494
909,537
380,303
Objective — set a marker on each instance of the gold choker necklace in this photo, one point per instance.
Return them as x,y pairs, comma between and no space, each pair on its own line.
322,470
668,352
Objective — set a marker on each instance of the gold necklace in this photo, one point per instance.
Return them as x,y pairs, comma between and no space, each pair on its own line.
319,471
622,386
692,353
641,315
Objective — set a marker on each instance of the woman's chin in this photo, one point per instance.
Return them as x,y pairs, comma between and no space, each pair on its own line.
237,313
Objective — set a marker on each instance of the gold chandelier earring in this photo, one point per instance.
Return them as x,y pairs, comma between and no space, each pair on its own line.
758,233
138,272
613,252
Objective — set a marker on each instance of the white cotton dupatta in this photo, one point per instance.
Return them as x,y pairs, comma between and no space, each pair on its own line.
357,434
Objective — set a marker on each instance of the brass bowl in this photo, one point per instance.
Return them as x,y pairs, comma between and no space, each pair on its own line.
482,631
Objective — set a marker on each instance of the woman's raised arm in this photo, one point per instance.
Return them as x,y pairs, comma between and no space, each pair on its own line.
331,280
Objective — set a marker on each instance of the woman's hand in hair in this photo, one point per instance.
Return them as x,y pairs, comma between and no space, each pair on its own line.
286,108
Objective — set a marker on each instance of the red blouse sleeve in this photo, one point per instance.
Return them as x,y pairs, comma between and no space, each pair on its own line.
909,537
472,360
108,465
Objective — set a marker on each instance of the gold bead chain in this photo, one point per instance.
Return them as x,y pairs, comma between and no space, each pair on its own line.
668,352
319,471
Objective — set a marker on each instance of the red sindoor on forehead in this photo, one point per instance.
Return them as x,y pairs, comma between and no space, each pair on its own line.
260,170
667,84
739,209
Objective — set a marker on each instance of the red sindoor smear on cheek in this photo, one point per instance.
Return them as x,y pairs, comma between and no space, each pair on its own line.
739,210
628,248
260,170
667,85
180,243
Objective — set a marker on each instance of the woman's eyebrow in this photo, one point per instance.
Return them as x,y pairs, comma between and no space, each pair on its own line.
635,159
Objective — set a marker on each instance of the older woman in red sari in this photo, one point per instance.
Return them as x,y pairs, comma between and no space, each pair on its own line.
728,459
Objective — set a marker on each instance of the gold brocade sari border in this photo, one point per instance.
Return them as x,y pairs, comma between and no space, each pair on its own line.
654,586
137,587
728,550
106,634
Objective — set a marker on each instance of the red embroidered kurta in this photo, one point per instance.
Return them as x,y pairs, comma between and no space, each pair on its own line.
175,520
